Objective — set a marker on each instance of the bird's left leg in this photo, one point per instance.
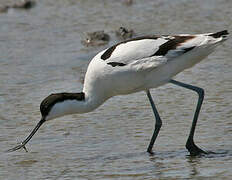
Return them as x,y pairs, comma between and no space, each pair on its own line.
190,145
158,123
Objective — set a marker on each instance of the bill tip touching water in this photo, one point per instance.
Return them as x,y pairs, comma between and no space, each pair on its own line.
134,65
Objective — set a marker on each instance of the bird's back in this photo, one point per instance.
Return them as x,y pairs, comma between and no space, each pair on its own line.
147,62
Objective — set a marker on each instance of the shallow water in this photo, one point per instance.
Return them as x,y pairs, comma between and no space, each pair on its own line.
41,53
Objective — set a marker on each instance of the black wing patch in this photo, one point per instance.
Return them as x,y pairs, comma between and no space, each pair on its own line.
172,44
113,64
188,49
110,50
108,53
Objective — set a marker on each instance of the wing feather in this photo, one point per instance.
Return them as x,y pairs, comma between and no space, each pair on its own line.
150,52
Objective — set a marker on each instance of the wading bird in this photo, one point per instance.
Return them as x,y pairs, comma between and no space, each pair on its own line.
138,64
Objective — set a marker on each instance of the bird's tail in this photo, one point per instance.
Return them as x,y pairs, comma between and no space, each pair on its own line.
218,36
212,40
221,34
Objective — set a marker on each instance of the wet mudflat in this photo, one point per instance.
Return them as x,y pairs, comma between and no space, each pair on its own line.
41,53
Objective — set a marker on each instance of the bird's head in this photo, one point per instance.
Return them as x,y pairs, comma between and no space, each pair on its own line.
60,104
53,106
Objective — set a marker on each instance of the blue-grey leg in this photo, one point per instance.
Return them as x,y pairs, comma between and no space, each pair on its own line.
158,123
190,145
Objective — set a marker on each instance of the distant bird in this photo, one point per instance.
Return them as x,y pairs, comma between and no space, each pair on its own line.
123,33
24,4
138,64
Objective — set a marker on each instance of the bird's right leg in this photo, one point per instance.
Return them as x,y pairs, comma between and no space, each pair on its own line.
158,123
190,145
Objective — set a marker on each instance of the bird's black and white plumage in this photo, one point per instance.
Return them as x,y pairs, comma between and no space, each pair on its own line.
159,48
147,62
135,65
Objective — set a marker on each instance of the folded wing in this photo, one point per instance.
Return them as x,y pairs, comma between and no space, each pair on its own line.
150,51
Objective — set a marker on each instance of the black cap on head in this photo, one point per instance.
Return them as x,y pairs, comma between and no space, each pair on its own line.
47,104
